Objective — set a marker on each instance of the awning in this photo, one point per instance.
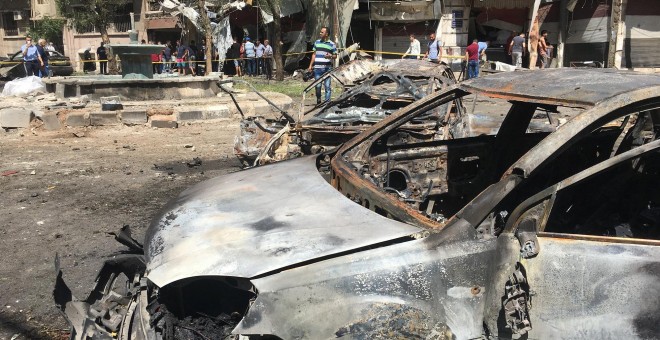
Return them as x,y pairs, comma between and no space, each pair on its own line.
404,11
287,7
500,4
159,23
11,6
502,25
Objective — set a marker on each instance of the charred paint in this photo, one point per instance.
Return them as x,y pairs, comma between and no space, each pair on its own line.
268,224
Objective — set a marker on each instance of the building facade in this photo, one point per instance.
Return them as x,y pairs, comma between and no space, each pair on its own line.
14,24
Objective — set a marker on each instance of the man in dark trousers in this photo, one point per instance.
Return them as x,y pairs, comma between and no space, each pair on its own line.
268,59
31,58
167,57
102,56
472,59
41,49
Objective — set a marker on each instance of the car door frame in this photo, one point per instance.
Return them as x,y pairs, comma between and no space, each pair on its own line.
531,265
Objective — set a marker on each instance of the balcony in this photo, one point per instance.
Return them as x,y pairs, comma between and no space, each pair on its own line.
153,6
121,23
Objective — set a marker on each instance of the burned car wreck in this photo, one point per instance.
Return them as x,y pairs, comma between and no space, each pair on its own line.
522,233
372,91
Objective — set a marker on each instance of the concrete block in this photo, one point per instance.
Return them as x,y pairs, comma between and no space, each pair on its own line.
51,121
111,103
134,117
60,90
103,118
15,117
217,111
164,124
190,115
77,119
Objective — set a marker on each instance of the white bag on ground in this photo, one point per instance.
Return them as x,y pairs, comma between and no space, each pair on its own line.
24,87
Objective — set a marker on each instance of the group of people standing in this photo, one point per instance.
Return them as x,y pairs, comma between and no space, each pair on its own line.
517,46
35,57
180,57
252,58
433,49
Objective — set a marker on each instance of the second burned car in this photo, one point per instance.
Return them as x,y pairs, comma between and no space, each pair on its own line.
372,91
522,233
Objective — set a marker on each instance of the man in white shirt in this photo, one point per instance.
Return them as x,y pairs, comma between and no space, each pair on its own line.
414,49
267,58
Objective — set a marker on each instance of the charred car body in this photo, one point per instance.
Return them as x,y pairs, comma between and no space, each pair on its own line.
58,64
523,233
372,91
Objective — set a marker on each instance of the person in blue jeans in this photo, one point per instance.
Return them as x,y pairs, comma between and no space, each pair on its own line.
472,58
324,52
250,54
41,49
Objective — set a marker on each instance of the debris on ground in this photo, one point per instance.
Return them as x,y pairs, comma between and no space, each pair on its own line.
195,162
24,87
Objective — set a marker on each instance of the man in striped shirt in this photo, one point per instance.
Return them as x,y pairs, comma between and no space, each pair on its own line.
324,52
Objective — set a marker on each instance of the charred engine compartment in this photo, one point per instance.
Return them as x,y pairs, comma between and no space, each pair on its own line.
199,308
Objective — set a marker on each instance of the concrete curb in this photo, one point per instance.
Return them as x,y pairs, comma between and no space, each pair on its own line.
157,114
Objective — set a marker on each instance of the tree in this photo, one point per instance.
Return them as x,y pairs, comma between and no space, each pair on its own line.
277,28
206,26
49,29
99,14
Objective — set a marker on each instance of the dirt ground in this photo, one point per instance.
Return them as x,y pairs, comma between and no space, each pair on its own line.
70,191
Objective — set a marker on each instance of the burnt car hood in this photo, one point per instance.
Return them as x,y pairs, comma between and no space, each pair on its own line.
256,222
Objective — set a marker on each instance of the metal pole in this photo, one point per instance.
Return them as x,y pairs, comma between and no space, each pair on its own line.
563,32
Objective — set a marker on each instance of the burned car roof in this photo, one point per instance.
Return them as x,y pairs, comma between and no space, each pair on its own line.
566,86
524,233
356,71
379,94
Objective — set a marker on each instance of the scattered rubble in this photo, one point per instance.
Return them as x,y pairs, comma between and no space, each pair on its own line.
26,87
54,113
15,117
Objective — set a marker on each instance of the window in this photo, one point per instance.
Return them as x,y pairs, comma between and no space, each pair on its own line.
456,19
9,24
620,201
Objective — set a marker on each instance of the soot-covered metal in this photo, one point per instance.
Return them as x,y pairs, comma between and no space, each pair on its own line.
533,231
372,91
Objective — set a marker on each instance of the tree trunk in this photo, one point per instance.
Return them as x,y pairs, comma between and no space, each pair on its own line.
533,43
206,25
534,35
112,61
277,46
